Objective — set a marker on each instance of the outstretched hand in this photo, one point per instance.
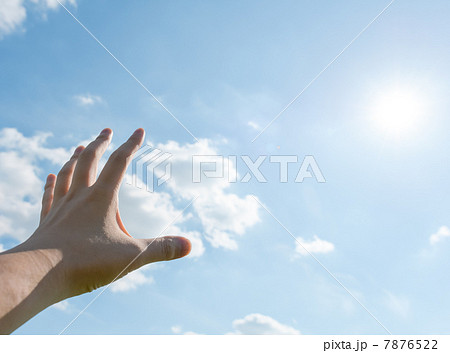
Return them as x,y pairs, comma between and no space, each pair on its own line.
81,243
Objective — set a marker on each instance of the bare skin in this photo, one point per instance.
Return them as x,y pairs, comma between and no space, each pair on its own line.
81,243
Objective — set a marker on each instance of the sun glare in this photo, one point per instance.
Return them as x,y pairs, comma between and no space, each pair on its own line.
399,112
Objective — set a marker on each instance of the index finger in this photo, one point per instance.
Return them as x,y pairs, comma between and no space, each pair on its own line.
114,170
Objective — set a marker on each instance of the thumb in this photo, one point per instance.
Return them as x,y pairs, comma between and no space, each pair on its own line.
165,248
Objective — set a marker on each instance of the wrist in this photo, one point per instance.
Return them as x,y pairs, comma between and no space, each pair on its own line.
42,268
31,281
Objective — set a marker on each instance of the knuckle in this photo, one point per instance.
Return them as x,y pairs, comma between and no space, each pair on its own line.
47,197
141,246
103,136
138,249
120,155
101,193
65,170
167,248
89,152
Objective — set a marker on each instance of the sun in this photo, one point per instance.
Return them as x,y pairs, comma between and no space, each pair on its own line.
398,112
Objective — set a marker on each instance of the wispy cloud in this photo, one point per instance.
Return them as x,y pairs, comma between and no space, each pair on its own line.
13,13
259,324
131,281
254,125
178,331
443,232
53,4
252,324
21,182
399,305
315,246
87,100
63,306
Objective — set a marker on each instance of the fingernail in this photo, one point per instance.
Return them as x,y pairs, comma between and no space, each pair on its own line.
183,246
106,132
50,178
138,133
78,150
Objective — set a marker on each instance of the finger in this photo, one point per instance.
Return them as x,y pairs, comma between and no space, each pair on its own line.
47,198
64,178
114,170
86,168
164,248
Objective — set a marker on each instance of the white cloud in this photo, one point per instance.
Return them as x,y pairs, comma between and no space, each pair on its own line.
87,100
223,215
13,13
19,195
32,148
63,306
399,305
254,125
5,222
21,183
314,246
146,215
252,324
197,248
2,248
176,329
181,181
131,281
443,232
53,4
258,324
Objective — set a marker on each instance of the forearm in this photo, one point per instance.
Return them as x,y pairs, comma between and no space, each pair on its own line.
30,282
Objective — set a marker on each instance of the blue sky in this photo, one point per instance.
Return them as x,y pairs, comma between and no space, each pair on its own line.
376,121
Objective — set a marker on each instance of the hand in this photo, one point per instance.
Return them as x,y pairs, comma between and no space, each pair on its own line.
81,240
80,219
